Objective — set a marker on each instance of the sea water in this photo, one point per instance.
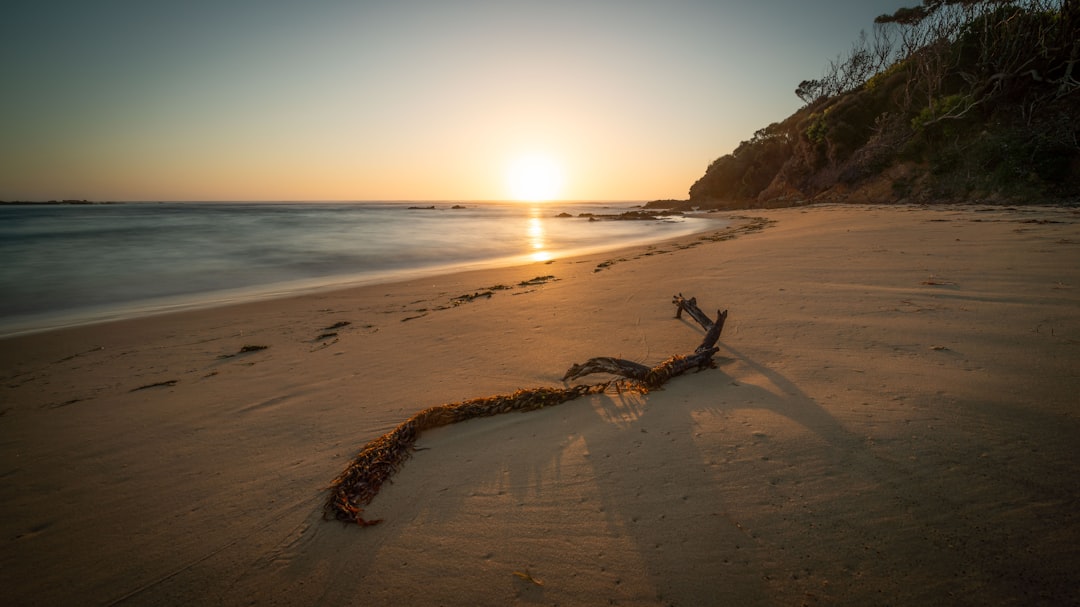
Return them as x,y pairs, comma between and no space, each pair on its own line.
66,264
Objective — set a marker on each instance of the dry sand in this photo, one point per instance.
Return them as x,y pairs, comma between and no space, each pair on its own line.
893,421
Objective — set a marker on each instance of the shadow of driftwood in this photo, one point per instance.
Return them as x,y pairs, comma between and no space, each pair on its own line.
705,477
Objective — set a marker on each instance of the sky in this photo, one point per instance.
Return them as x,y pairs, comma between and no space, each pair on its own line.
397,99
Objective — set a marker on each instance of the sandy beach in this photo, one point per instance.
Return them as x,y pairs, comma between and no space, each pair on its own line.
894,420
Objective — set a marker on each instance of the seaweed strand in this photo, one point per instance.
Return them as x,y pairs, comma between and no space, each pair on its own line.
381,458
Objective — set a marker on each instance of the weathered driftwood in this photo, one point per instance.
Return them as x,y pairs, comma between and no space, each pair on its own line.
380,459
654,377
712,328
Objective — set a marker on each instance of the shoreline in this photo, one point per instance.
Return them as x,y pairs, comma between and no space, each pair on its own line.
26,324
893,413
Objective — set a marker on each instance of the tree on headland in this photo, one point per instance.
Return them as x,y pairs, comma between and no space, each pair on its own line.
945,99
994,46
866,57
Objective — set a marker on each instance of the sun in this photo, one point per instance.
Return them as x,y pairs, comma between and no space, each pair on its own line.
534,178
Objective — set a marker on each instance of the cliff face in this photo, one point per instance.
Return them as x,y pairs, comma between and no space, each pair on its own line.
989,110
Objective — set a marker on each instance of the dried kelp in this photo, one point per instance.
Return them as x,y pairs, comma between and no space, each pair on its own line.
381,458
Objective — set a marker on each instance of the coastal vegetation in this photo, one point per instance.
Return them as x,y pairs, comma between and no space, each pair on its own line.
946,100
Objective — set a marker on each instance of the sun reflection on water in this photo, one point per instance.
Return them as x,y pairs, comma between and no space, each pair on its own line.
537,237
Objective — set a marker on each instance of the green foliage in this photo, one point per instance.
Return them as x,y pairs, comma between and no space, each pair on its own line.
815,131
1021,158
987,102
904,16
746,172
946,106
884,77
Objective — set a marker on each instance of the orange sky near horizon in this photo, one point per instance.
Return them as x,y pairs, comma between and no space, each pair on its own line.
413,100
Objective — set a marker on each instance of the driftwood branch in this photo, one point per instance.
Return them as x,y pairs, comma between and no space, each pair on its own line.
378,460
606,364
712,328
653,377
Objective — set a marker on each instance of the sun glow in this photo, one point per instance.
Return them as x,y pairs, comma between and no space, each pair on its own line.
534,178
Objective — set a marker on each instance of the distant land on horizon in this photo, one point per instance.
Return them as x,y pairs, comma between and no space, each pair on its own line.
68,201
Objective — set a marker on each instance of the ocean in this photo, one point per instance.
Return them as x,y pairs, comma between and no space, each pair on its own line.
71,264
